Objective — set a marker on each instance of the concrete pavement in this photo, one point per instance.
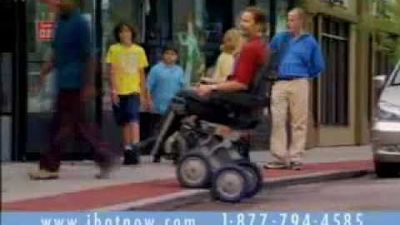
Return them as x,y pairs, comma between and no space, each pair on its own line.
150,184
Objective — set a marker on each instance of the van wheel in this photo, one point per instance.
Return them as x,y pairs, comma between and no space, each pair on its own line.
386,170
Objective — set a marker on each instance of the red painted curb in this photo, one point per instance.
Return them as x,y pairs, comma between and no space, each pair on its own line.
125,193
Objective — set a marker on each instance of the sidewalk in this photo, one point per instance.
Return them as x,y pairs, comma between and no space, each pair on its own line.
153,184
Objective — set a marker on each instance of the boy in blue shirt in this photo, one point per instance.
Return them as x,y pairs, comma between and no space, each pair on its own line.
165,80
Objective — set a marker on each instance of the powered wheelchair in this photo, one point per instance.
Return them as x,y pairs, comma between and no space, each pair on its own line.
205,156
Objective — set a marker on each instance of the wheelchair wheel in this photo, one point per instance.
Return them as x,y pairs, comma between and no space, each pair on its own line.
254,175
194,171
229,184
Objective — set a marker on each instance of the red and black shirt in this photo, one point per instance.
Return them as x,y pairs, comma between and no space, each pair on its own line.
252,56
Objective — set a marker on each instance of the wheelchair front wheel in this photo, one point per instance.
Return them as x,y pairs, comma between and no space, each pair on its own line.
194,171
229,184
254,175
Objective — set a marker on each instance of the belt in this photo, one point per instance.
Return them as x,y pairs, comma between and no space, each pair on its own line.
290,78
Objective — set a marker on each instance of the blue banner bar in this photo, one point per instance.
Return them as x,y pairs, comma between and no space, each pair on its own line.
200,218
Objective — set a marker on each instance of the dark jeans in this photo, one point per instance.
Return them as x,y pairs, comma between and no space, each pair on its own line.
67,122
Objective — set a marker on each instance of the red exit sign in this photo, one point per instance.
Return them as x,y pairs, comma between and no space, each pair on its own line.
45,30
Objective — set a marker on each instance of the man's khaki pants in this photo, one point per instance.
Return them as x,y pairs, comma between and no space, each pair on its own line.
289,95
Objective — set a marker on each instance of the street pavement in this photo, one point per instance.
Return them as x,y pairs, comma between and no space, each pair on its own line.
361,194
153,185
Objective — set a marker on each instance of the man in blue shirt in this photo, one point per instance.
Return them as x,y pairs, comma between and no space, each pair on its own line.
300,60
71,61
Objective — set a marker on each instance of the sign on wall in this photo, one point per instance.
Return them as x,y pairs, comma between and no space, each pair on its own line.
45,30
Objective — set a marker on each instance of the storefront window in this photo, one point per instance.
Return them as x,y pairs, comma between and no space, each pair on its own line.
281,15
6,83
265,5
41,22
7,52
219,18
40,25
190,34
199,33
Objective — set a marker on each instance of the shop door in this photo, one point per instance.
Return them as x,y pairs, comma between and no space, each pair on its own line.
336,88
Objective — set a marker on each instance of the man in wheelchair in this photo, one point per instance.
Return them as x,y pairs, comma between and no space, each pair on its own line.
194,112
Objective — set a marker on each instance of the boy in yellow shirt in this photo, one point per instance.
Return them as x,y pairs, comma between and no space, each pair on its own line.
127,62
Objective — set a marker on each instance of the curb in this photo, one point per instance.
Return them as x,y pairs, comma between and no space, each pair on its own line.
187,197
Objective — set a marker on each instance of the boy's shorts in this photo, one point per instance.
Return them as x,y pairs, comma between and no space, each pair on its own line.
128,109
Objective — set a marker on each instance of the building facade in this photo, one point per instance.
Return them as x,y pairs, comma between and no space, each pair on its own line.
341,99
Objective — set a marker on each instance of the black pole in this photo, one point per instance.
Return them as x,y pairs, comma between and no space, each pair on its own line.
98,64
272,18
170,22
291,4
20,90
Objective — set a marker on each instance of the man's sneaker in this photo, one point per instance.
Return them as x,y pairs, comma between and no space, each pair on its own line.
276,165
296,165
43,175
104,172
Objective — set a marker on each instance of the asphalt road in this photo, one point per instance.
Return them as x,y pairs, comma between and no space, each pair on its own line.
366,193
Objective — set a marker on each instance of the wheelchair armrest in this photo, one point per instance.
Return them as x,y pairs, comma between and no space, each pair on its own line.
189,94
239,99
